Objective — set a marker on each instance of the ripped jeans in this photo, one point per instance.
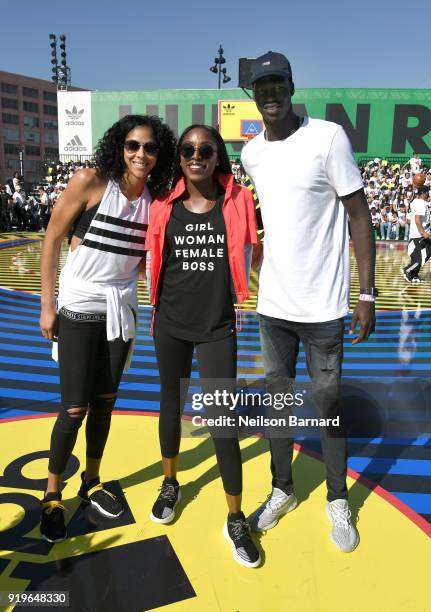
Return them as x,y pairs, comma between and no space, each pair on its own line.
323,345
90,373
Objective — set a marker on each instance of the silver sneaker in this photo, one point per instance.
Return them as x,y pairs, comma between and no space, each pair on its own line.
267,515
343,534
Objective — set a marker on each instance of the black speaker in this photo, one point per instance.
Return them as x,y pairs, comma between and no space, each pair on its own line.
244,72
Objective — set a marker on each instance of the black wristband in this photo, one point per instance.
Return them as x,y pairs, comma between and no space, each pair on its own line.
369,291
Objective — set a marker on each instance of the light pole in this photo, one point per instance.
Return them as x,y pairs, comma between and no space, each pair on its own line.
61,71
21,161
217,68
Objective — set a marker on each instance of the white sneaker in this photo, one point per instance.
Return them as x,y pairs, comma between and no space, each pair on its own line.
267,515
343,534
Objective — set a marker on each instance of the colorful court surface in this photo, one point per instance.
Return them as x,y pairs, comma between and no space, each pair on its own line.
134,564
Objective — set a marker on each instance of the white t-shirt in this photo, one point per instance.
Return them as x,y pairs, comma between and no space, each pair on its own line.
417,207
19,197
375,219
415,164
305,272
405,181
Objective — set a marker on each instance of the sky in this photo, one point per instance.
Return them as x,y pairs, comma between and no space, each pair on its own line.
160,44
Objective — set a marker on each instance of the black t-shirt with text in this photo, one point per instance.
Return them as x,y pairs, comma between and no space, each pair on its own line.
195,299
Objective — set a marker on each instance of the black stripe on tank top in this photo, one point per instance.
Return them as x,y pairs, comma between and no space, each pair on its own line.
115,235
120,222
110,248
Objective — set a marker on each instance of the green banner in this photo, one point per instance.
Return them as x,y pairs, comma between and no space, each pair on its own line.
379,122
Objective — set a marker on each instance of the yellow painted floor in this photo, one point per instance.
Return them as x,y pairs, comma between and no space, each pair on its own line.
302,570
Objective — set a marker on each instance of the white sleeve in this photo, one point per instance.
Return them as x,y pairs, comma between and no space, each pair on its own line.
341,167
246,168
419,207
243,156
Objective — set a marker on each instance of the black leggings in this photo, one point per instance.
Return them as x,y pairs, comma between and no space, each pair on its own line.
216,360
90,373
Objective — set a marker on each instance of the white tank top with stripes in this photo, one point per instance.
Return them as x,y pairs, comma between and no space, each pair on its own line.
101,274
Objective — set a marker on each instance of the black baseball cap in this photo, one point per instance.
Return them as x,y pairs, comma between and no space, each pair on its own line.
269,64
422,189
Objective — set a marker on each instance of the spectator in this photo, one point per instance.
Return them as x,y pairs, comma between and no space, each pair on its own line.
415,163
19,202
4,210
17,180
406,181
394,229
385,224
372,190
375,220
44,208
10,189
404,223
32,215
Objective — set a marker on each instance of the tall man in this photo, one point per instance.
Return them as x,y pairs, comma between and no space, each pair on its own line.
307,182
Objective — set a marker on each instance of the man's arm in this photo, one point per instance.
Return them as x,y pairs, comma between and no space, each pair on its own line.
365,253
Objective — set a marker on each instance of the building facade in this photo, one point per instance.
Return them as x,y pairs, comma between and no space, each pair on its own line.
28,125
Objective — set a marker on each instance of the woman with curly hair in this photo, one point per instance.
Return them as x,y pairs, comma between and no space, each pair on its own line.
95,311
198,237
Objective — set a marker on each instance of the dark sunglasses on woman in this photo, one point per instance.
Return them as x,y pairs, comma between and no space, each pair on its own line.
205,151
133,146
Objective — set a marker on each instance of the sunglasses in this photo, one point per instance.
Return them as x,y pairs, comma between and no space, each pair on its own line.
205,151
133,146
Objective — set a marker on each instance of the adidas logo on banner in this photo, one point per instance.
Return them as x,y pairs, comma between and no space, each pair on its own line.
74,115
228,109
75,145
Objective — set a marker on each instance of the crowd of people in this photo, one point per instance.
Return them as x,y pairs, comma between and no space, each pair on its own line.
22,210
388,187
390,191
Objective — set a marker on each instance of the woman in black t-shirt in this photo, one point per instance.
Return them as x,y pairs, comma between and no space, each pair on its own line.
196,237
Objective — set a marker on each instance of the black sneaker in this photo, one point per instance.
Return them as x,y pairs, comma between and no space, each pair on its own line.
100,498
164,507
237,532
406,276
52,527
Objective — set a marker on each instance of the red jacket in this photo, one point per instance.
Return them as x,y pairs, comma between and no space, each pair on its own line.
240,220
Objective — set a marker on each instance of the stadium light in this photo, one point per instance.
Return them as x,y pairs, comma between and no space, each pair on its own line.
63,49
54,61
61,72
217,69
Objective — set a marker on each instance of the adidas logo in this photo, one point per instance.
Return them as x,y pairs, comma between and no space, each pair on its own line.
75,142
75,145
228,109
74,115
